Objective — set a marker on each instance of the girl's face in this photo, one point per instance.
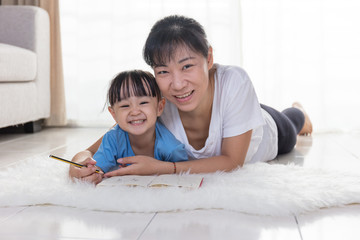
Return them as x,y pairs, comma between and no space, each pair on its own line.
184,79
137,115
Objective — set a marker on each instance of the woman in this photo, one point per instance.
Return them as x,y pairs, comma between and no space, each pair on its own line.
211,108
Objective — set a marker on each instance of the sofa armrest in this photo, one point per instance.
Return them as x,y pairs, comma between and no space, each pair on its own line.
29,27
24,26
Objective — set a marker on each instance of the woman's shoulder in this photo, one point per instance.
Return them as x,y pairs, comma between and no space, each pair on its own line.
230,72
230,78
170,116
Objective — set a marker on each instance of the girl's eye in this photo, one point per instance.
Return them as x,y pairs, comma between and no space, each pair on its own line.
142,103
124,106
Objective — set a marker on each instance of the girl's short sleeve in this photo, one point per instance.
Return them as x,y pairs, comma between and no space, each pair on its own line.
106,154
178,154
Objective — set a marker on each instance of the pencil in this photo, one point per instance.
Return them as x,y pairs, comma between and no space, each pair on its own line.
71,162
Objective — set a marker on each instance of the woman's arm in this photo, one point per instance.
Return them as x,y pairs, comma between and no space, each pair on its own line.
233,155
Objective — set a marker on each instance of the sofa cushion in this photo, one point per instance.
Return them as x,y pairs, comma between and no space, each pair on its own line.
17,64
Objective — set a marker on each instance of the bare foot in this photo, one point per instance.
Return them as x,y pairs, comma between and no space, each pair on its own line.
307,128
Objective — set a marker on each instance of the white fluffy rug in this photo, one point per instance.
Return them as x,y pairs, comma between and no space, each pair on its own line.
260,188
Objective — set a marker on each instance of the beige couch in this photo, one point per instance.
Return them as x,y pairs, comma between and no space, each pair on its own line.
24,65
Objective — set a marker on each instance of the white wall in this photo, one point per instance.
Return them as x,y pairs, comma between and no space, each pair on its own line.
307,51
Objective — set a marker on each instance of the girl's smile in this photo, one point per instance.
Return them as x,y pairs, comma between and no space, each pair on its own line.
137,122
137,115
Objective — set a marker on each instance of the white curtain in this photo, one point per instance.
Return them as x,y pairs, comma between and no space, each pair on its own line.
307,51
103,37
293,50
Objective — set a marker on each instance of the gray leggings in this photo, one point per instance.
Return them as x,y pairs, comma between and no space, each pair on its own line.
289,123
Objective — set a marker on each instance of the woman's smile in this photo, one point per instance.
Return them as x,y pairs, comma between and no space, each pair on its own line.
185,96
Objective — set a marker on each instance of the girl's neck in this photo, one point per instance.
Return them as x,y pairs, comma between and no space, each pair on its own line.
143,144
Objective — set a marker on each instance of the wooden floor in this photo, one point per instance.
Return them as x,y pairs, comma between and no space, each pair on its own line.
331,150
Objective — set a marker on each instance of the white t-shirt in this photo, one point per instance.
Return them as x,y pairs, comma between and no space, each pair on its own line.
235,111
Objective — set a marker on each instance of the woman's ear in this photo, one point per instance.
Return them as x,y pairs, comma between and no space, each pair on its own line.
210,58
161,106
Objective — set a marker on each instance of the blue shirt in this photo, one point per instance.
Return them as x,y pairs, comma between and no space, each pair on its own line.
116,144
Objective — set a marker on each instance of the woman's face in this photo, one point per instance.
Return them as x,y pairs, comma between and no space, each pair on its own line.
184,79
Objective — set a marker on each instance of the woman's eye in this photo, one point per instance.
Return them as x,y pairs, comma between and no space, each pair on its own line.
162,72
187,66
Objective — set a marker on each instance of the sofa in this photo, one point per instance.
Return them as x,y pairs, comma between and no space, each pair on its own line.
24,65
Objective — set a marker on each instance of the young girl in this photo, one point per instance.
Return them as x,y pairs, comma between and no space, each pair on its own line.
135,104
211,108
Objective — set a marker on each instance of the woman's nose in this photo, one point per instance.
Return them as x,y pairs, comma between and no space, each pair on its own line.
178,81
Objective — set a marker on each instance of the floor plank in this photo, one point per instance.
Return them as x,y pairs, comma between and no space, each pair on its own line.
331,224
56,222
220,224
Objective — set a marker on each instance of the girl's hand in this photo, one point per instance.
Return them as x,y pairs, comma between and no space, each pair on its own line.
141,165
86,173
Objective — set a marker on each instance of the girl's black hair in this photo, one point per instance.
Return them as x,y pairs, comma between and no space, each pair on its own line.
132,83
170,33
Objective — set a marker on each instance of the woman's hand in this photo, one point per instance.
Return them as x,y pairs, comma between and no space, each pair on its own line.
141,165
88,173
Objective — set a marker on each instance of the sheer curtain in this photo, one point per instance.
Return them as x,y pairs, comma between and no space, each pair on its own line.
103,37
293,50
307,51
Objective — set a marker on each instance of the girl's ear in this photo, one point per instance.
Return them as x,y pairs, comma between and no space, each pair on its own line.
161,106
210,58
112,112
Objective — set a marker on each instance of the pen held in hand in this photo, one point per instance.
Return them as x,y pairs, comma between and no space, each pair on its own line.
71,162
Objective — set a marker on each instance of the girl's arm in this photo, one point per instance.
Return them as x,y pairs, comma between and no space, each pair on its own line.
89,152
233,155
85,158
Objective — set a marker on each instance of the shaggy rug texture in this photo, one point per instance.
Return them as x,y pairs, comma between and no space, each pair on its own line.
261,189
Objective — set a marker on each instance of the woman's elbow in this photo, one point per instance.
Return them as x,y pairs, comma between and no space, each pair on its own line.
234,165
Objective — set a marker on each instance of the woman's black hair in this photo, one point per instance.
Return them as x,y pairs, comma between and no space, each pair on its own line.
132,83
170,33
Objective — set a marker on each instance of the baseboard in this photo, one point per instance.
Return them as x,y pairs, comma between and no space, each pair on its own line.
34,126
29,127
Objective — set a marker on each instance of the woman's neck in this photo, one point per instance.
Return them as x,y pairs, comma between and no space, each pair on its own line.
205,106
197,122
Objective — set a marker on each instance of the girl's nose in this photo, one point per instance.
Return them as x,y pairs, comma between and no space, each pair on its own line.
135,110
